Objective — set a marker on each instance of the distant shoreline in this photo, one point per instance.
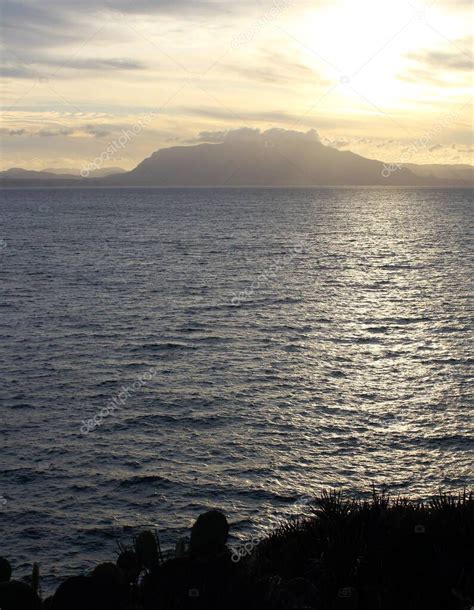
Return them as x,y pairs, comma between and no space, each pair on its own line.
56,186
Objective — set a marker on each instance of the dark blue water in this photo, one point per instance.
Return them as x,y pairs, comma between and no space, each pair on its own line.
164,351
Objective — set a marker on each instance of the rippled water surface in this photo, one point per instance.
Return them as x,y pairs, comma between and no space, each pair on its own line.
290,340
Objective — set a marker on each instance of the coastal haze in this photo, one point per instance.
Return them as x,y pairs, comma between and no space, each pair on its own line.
274,342
250,157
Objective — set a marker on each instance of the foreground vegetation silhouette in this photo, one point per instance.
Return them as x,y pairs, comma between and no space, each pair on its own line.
377,554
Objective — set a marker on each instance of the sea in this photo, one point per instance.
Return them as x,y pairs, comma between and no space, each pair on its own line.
168,351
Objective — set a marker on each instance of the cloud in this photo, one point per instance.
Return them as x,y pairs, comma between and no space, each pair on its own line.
462,4
102,64
439,67
147,7
33,25
447,60
50,133
276,68
443,60
33,29
210,136
98,131
224,114
78,135
12,132
42,65
417,75
54,23
270,75
248,134
261,74
462,149
17,71
51,33
338,143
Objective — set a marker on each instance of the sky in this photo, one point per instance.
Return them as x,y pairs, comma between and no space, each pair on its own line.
385,79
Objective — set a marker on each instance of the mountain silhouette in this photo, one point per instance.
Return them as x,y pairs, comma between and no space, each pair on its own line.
248,157
275,157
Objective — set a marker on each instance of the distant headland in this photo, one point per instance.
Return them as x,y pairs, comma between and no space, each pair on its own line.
246,158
